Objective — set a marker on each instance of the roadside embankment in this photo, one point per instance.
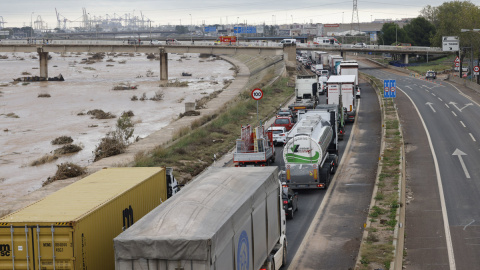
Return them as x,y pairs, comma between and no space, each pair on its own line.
383,238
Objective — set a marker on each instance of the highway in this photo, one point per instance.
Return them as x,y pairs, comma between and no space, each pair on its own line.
342,214
451,120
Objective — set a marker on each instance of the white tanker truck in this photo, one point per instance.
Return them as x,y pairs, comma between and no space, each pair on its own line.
311,153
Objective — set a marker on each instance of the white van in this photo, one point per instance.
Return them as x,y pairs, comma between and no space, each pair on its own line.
289,41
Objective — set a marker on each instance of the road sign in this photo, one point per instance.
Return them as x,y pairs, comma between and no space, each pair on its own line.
476,70
457,60
257,94
393,88
450,43
386,88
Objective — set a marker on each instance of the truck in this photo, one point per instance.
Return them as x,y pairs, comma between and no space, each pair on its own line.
227,39
326,41
343,85
254,148
301,105
311,153
350,67
334,62
339,126
226,218
306,88
74,227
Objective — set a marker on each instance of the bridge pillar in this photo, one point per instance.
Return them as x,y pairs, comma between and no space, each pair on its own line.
290,54
405,58
163,65
43,63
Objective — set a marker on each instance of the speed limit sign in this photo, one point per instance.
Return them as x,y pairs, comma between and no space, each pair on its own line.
257,93
476,70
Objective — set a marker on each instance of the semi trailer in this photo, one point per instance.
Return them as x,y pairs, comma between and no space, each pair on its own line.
226,218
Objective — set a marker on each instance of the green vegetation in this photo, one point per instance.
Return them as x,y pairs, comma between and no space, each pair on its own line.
378,249
194,147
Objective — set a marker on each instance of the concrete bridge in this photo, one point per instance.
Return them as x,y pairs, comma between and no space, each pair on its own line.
45,46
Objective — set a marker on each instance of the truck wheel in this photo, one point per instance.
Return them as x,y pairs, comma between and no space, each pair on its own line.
284,259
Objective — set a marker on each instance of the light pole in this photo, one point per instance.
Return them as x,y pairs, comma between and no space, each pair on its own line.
191,25
31,24
396,34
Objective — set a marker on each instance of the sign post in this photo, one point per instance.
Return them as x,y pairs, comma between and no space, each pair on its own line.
257,94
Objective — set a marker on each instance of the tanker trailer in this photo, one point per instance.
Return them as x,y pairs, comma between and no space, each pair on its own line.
310,153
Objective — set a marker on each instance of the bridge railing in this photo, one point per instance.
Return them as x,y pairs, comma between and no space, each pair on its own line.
369,47
134,43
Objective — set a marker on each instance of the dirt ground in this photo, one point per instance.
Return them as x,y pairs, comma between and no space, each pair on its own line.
28,123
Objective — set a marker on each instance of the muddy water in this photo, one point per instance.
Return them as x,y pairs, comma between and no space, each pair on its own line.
29,123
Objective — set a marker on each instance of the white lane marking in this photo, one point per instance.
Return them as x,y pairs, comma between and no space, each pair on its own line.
447,105
439,99
473,138
409,87
433,94
446,225
459,153
468,224
461,122
454,113
455,104
431,106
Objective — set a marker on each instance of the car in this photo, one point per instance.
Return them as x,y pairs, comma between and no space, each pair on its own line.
279,135
284,121
286,112
290,200
431,75
359,45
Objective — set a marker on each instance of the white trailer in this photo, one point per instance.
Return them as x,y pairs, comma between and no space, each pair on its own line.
227,218
343,85
306,87
311,153
349,67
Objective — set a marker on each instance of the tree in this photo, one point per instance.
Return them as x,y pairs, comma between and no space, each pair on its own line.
391,33
420,31
450,17
180,29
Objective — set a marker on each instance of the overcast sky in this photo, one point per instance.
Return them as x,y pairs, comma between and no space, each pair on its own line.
19,13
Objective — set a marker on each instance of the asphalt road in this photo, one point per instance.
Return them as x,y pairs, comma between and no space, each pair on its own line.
336,245
452,120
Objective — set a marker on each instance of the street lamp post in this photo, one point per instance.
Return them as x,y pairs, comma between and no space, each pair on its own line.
191,25
31,25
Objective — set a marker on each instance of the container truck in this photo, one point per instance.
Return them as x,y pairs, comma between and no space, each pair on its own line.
74,227
343,85
311,153
333,63
349,67
306,87
254,148
339,127
226,218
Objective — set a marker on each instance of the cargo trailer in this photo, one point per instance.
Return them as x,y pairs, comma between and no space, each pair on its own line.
74,227
226,218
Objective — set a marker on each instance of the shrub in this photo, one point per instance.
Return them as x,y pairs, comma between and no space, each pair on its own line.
62,140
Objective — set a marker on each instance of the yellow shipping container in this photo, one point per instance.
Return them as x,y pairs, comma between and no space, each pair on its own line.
74,227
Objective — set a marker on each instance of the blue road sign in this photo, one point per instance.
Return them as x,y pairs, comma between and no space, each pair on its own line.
393,88
245,30
209,29
389,88
386,88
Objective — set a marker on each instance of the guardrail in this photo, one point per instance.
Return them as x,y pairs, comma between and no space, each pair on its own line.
369,47
135,43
